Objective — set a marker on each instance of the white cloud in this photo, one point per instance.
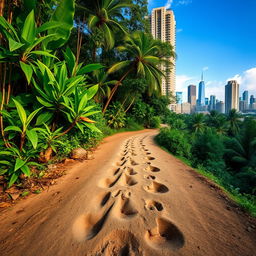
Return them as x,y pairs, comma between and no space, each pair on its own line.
216,88
182,83
205,68
184,2
179,30
247,80
168,4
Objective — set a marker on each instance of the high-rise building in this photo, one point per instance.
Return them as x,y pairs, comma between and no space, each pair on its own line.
242,105
179,97
192,96
201,93
186,108
212,105
252,101
220,107
231,96
163,27
206,101
245,99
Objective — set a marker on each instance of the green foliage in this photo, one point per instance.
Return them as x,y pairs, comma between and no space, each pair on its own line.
154,122
241,149
18,162
62,32
208,151
175,141
115,116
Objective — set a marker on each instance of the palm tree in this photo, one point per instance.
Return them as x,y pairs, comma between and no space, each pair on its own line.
241,150
218,121
143,61
103,15
100,77
234,121
198,122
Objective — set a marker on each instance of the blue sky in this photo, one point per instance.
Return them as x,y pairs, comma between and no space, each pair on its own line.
218,36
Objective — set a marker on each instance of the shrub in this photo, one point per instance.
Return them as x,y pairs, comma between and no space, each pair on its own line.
175,141
115,116
208,150
155,122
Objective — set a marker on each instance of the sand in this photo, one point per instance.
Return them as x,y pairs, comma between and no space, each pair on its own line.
133,199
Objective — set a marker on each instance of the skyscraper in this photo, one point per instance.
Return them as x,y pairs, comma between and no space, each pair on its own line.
179,97
220,107
201,92
245,99
192,96
231,96
212,105
252,101
163,27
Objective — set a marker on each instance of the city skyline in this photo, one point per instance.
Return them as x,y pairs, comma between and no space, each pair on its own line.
222,45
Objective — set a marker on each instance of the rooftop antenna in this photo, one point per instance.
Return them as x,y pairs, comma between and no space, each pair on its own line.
202,76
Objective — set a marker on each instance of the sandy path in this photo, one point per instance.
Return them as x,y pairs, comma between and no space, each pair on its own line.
132,199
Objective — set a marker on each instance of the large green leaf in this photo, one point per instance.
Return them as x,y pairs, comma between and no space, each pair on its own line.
32,115
18,164
43,53
33,137
48,25
28,70
14,177
92,91
44,103
21,112
29,28
13,45
89,68
92,127
13,128
44,118
7,26
64,14
70,60
25,169
83,102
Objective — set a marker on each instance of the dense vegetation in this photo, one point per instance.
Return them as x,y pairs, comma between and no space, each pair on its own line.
68,80
222,147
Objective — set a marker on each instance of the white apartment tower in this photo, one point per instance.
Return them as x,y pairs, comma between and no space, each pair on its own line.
163,27
231,96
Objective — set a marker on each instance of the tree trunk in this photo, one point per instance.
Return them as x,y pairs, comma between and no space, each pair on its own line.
114,90
130,105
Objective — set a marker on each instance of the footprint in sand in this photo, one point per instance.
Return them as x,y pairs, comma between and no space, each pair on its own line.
153,205
151,168
131,171
119,242
156,187
109,182
133,162
150,158
89,225
150,177
165,235
124,208
128,180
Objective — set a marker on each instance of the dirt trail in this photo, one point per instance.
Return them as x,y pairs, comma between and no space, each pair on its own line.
132,199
